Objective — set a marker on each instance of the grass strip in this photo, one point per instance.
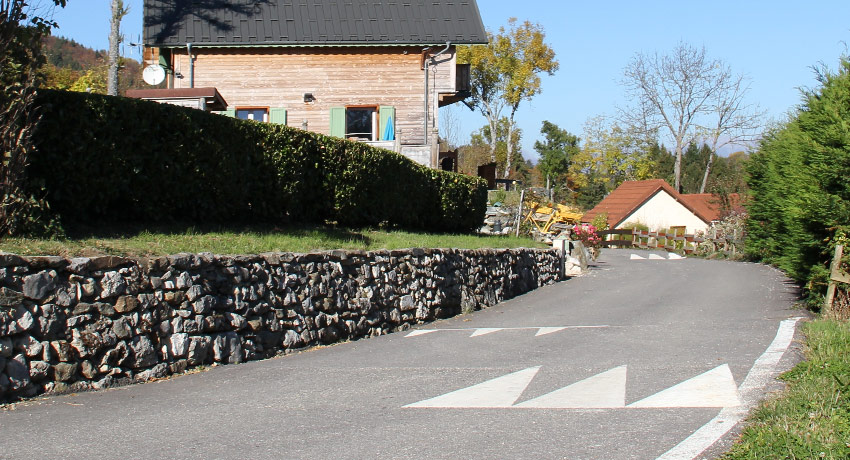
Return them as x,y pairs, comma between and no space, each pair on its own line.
158,242
811,419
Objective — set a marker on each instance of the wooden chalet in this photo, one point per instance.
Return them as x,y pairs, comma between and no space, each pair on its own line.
365,70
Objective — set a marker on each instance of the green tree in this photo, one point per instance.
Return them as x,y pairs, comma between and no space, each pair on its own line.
93,81
505,73
482,136
800,206
556,153
611,154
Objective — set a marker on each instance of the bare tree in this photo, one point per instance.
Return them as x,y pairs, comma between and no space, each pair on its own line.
118,13
450,126
735,121
679,93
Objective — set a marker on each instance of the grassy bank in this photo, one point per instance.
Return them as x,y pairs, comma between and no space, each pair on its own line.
811,420
248,241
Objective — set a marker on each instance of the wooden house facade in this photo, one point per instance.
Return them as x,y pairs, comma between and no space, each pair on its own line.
371,71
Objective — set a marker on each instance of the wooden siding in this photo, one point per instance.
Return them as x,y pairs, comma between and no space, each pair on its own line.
337,77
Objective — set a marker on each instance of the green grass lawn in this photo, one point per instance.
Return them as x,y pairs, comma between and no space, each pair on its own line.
159,242
811,420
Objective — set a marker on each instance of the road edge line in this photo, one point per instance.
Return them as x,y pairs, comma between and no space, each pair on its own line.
758,377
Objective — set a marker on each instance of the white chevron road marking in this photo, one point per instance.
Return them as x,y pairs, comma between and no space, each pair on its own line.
485,330
602,391
715,388
499,392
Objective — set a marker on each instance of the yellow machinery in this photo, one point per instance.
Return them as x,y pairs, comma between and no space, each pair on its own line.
549,220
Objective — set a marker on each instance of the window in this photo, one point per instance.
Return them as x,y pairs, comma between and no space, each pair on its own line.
273,115
256,114
363,123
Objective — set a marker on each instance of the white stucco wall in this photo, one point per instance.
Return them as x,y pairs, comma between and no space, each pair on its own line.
662,211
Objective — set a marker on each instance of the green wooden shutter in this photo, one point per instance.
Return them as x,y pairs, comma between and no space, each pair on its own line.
277,115
338,121
385,114
230,113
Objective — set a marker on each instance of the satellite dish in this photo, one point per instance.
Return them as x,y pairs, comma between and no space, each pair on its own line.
153,75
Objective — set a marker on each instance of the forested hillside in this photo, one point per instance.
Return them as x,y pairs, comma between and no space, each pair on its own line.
72,66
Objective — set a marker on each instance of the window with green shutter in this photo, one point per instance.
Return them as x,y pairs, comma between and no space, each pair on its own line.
277,115
338,122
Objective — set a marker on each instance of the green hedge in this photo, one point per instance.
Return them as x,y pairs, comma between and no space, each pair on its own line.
116,160
800,182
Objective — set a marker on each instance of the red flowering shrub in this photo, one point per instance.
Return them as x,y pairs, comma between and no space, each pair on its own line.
586,233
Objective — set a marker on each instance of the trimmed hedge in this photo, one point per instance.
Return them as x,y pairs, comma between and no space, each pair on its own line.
103,159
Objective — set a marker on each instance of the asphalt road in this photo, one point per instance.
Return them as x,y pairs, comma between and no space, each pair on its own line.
611,365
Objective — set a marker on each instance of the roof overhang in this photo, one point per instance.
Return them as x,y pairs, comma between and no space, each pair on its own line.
211,97
305,45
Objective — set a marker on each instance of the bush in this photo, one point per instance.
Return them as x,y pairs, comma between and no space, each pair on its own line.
117,160
800,193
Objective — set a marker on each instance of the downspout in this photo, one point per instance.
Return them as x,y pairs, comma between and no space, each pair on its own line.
191,65
427,105
448,45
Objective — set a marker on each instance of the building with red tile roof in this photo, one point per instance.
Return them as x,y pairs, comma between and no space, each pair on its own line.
657,205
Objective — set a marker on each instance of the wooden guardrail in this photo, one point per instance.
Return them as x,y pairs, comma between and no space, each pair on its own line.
672,241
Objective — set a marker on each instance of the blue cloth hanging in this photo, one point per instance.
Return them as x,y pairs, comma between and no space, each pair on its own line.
389,131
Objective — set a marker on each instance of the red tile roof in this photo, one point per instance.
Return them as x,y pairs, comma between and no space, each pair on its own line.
709,205
631,195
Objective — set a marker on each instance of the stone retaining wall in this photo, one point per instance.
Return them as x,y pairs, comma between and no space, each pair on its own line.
76,324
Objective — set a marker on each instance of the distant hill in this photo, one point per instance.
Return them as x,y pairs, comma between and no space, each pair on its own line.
72,66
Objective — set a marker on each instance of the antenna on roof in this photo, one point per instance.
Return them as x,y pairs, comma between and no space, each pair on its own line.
135,47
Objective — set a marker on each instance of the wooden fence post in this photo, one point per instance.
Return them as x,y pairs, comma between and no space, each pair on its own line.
834,272
519,212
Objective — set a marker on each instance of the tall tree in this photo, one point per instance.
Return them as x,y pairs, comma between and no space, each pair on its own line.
556,153
20,61
118,13
735,122
612,154
679,93
507,72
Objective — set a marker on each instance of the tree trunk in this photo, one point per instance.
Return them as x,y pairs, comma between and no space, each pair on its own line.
707,171
493,126
510,149
677,169
118,13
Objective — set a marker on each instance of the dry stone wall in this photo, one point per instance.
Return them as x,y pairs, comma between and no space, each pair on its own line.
89,323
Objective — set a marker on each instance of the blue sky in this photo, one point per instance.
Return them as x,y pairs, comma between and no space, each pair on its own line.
774,43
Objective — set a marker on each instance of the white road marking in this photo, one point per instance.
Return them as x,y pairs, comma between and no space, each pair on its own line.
602,391
674,256
485,330
548,330
656,257
479,331
499,392
421,332
636,257
715,388
761,372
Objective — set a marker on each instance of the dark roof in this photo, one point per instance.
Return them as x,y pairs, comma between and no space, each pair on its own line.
311,22
631,195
